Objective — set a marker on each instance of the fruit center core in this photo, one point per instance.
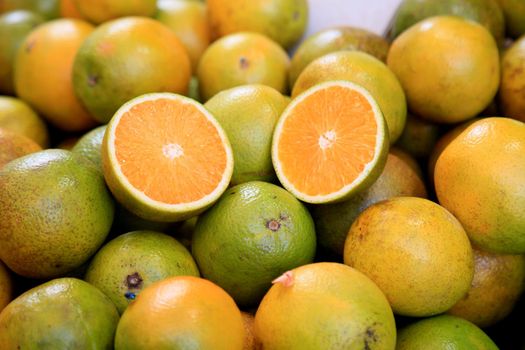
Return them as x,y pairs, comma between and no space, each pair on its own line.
327,139
172,151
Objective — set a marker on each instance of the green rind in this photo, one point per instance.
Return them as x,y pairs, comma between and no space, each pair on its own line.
89,146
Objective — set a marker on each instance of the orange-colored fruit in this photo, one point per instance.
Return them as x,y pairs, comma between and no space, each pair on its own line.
239,59
330,142
181,312
325,306
498,283
189,21
511,98
479,177
363,69
19,117
14,26
284,21
6,286
125,58
68,9
43,72
332,221
415,251
98,11
160,139
13,145
448,67
336,39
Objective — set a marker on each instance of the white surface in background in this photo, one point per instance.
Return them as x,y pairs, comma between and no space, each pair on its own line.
374,15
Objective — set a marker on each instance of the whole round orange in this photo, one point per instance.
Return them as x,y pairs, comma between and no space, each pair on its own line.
43,72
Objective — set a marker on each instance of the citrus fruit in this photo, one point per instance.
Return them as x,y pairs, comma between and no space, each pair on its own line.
98,11
325,306
159,139
336,39
443,333
254,233
332,221
514,12
486,12
248,114
43,72
448,67
250,341
418,137
125,58
68,9
179,313
14,26
479,178
363,69
19,117
13,145
125,221
330,142
6,286
64,313
126,265
48,9
56,213
239,59
415,251
189,21
498,283
511,99
89,146
284,21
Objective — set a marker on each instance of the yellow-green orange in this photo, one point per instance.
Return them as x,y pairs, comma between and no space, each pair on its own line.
65,313
325,306
125,58
179,313
511,98
6,286
514,12
415,251
498,283
479,177
443,333
48,9
284,21
14,26
56,213
448,67
336,39
98,11
19,117
89,146
13,145
248,114
126,265
367,71
239,59
419,136
332,221
253,234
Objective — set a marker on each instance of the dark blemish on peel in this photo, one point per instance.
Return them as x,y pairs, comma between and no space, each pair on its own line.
273,225
29,46
244,63
92,80
134,281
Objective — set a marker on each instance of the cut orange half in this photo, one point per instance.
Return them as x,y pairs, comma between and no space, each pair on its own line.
165,157
330,142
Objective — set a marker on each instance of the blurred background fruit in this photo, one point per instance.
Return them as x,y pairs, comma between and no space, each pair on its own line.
512,84
17,116
13,145
99,11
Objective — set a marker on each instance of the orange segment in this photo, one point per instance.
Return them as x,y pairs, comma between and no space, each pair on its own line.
329,141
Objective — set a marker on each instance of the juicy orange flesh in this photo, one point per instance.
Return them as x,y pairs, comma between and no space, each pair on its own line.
170,151
327,140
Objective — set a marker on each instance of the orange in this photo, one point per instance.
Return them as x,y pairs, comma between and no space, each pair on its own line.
14,26
363,69
511,98
125,58
479,177
336,39
19,117
189,21
448,67
159,139
415,251
239,59
43,72
498,283
13,145
89,146
325,306
181,312
330,142
284,21
98,11
68,9
6,286
419,136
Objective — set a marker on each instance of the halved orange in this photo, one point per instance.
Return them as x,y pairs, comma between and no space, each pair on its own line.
165,157
330,142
